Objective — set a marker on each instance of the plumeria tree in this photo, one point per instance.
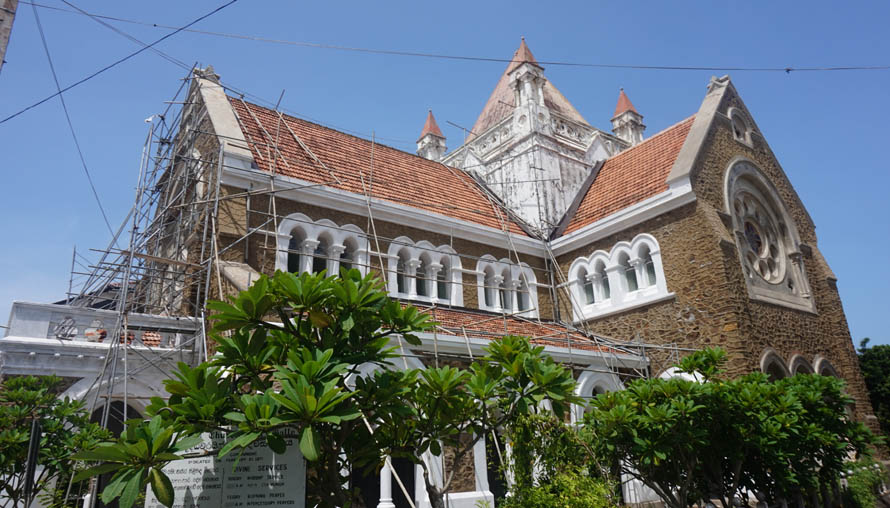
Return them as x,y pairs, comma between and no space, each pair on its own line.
452,408
285,351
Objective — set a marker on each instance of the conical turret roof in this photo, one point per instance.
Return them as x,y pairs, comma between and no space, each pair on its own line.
624,104
500,104
430,127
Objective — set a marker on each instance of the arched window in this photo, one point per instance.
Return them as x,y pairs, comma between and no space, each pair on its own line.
294,248
630,273
505,291
304,245
586,287
523,301
420,276
772,365
402,271
443,287
320,256
490,288
603,278
347,257
648,266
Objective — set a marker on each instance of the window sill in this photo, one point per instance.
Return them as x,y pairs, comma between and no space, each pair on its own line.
607,308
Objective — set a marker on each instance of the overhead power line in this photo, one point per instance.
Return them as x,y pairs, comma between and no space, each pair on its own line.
116,62
422,54
83,161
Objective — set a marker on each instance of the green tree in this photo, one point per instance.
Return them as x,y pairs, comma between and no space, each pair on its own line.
286,350
552,463
722,438
874,362
453,408
65,429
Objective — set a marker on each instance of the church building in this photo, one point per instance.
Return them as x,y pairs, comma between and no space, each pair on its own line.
617,249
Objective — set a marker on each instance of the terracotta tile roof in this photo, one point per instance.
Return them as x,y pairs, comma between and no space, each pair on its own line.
624,104
430,127
481,324
631,176
500,103
398,176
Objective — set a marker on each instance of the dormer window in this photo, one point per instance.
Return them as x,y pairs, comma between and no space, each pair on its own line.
741,129
628,276
506,287
421,271
305,245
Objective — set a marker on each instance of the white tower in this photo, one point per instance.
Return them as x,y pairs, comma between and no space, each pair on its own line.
627,124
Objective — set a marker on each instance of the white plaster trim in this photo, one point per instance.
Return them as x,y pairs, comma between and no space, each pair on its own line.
626,306
331,198
674,197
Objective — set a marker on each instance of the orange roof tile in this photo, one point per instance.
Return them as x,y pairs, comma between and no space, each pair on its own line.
398,176
623,105
490,325
500,103
631,176
430,127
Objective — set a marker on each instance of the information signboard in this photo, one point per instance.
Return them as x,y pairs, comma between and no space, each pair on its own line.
261,478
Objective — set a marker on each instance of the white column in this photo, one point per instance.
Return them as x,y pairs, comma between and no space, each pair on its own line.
513,288
307,249
496,288
433,276
386,486
333,264
640,271
411,277
616,285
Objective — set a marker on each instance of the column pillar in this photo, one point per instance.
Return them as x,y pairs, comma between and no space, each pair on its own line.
333,264
496,282
640,271
386,486
433,276
307,254
411,277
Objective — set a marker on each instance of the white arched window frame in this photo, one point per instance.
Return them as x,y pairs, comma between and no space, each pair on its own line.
504,286
424,272
630,275
301,241
767,239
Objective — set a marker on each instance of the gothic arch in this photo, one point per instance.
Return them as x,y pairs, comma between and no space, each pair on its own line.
772,365
589,385
797,364
823,367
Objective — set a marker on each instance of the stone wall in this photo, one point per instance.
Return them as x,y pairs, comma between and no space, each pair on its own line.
259,250
701,265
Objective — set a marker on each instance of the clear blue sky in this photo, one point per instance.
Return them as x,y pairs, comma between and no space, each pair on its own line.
829,130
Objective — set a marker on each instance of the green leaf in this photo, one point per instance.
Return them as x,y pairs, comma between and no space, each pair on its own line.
132,490
276,443
309,445
161,486
96,471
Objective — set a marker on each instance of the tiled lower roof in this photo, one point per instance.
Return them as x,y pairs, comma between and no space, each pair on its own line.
492,325
631,176
343,161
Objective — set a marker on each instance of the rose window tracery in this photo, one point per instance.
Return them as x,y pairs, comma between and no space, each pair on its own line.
764,254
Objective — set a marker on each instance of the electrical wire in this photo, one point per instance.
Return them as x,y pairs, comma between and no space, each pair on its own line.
422,54
83,161
116,62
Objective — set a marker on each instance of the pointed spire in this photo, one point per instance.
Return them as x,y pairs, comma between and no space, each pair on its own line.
430,127
521,56
431,144
624,104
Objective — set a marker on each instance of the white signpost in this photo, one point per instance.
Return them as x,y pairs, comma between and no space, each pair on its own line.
260,479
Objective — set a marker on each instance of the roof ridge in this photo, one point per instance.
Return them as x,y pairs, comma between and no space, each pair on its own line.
323,126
